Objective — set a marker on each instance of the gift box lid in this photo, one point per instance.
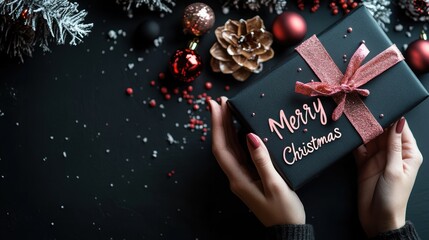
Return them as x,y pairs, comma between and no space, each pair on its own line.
298,130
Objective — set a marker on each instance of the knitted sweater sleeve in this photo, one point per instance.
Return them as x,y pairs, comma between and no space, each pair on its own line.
290,232
306,232
407,232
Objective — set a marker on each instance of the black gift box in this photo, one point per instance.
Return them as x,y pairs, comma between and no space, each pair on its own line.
392,94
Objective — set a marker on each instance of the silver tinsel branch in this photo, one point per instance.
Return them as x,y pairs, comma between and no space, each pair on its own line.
27,23
255,5
381,10
159,5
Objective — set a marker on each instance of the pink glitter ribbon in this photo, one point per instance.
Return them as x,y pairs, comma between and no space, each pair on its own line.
344,88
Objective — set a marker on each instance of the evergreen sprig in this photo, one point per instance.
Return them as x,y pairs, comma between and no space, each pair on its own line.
28,23
152,5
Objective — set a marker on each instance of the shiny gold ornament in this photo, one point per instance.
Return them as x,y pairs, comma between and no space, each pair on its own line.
241,48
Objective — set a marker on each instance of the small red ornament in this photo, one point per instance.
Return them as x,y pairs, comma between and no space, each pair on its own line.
289,28
186,64
417,55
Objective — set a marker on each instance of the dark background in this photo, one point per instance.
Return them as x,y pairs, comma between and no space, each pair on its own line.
73,163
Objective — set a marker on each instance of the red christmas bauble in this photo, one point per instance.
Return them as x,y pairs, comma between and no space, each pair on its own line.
289,28
417,56
185,65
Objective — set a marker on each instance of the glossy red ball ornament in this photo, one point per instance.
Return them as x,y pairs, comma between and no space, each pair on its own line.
185,64
417,55
289,28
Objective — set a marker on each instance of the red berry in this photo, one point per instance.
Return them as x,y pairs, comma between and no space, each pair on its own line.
227,87
152,103
129,91
190,88
208,85
203,138
167,96
164,90
196,107
152,83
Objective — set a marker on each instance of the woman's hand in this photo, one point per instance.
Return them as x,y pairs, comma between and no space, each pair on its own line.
265,192
387,169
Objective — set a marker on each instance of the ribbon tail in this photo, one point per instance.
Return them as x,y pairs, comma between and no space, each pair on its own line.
340,108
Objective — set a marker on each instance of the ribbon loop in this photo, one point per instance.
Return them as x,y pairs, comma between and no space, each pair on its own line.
344,89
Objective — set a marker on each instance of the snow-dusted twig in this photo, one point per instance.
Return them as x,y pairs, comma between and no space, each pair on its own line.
26,23
152,5
381,10
255,5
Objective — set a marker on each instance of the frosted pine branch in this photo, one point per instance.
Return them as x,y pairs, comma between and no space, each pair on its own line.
381,10
50,20
255,5
152,5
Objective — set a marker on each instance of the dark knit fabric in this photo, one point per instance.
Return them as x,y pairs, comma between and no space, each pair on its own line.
305,232
291,232
407,232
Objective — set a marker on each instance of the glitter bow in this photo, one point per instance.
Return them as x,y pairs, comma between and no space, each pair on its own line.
344,89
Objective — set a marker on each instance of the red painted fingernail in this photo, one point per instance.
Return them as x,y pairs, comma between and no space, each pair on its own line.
400,125
253,140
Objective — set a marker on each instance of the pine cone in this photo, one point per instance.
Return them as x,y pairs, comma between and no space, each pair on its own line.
241,48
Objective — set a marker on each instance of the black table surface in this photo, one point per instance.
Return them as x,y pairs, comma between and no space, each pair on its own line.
77,154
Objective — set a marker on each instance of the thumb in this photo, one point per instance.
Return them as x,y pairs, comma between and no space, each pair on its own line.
394,147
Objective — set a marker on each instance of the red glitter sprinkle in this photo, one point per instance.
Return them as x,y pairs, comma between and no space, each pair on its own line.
161,75
176,91
227,87
164,90
152,103
171,173
129,91
190,88
152,83
167,96
196,107
208,85
203,138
